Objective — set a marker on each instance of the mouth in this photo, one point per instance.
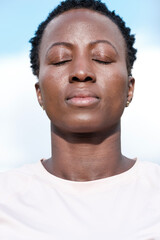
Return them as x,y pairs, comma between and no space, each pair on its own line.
82,99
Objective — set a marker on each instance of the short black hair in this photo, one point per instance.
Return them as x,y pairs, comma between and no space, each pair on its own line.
95,5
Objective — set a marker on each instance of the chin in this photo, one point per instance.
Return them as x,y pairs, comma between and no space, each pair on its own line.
85,123
82,127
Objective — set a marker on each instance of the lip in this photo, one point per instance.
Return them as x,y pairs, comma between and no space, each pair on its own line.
82,98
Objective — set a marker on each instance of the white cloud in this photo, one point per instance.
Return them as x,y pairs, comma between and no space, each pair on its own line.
25,134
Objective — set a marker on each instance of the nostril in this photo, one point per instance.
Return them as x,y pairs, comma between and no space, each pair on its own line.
88,79
75,79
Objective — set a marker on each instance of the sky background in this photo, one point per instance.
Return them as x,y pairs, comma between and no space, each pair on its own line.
25,129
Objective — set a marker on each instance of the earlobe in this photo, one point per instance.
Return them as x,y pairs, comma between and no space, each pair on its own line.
39,95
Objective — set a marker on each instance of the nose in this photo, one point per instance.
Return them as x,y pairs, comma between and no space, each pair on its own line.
82,72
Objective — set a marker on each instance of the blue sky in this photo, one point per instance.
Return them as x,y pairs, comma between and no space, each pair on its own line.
25,129
20,18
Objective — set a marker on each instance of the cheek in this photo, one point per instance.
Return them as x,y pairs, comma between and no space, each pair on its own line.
52,83
117,80
52,88
115,85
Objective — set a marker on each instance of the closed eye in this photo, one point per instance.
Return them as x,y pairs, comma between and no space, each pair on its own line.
102,62
61,63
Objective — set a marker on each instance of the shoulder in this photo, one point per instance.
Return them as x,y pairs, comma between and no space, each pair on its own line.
16,180
149,167
149,172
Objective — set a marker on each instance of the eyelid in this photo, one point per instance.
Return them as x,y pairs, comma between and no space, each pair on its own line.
59,56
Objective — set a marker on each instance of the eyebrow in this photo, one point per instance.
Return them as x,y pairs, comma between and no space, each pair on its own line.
106,42
67,44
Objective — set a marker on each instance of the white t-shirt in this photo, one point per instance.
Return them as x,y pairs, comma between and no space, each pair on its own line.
35,205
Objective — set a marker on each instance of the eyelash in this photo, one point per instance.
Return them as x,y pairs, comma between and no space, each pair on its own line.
61,63
102,62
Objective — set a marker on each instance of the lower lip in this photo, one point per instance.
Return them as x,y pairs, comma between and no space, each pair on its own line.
83,101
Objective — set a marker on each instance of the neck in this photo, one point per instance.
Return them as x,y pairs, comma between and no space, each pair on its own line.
85,157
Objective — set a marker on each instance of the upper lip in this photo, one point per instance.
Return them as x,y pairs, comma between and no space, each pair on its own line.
81,94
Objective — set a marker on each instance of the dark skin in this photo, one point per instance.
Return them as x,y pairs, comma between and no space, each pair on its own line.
84,87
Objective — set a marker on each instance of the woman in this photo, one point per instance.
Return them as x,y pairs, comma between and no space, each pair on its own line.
82,55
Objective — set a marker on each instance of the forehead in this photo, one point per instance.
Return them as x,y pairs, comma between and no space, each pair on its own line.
81,26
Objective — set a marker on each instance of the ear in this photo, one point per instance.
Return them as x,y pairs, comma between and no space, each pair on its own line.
131,84
39,95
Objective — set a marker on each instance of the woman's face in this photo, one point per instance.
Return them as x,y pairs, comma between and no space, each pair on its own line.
83,79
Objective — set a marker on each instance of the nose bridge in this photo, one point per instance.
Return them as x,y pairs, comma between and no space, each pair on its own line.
82,68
